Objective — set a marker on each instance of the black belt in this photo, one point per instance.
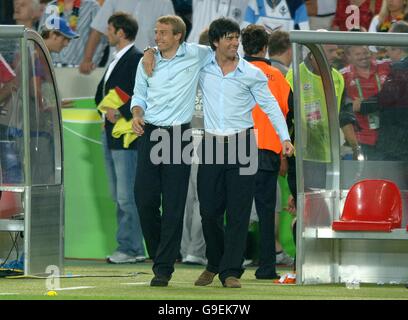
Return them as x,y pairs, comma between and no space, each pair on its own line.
229,138
324,15
183,126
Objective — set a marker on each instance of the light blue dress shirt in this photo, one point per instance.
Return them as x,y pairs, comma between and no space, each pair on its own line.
228,100
168,97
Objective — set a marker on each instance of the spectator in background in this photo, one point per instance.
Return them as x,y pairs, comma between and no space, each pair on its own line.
11,164
58,37
275,15
363,77
27,13
314,117
391,11
321,13
146,12
55,38
290,277
255,44
205,11
79,15
6,12
192,242
393,104
367,10
280,50
43,5
280,56
7,82
120,159
184,9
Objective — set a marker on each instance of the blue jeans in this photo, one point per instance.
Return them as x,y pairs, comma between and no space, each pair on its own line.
10,163
121,170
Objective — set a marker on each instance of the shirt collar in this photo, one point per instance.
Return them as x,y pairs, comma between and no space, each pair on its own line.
240,66
121,53
276,61
253,59
181,51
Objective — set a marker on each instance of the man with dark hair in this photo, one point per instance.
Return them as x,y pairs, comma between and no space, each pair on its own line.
255,43
125,23
280,50
231,88
120,159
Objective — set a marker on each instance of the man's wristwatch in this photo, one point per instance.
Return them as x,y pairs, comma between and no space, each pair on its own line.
149,48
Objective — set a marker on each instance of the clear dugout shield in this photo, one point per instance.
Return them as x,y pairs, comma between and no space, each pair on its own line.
30,153
351,156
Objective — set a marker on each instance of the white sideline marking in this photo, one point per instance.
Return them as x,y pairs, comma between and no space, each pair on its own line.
144,283
8,294
269,283
74,288
82,136
135,283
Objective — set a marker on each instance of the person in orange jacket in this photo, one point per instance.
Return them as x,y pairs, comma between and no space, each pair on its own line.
255,44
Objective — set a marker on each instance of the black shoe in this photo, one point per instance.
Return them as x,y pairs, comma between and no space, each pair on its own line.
159,281
267,276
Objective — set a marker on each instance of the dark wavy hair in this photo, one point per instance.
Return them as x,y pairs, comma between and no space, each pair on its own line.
219,28
254,39
124,21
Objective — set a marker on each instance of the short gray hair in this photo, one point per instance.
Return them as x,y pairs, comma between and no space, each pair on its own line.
400,27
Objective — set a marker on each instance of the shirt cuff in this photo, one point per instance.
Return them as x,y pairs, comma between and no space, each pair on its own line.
284,136
138,102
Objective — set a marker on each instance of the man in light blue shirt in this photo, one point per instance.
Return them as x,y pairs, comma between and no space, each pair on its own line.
231,88
162,107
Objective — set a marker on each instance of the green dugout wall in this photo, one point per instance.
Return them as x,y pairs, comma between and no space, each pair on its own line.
285,220
90,219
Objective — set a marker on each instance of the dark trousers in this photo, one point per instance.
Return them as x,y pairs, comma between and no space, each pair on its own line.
370,152
165,185
265,204
222,188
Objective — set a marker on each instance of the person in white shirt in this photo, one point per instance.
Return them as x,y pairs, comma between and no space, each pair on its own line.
205,11
146,12
285,15
321,13
79,16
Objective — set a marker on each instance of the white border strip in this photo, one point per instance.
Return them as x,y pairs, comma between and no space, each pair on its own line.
82,136
74,288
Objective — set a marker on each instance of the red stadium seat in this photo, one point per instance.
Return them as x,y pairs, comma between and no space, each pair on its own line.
10,204
371,205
